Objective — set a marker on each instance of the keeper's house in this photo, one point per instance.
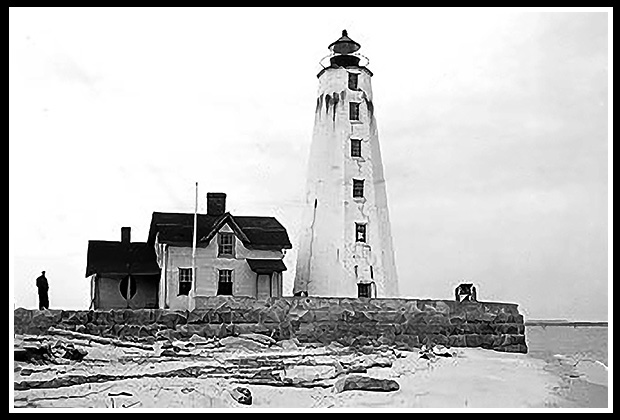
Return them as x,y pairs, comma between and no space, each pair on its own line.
235,255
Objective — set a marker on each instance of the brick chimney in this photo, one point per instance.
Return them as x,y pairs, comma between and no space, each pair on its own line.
216,204
125,234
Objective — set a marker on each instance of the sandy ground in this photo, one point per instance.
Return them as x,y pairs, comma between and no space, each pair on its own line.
474,378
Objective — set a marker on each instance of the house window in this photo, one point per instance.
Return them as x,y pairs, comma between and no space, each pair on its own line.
364,290
358,188
127,287
354,111
353,81
356,148
224,284
360,232
185,281
226,245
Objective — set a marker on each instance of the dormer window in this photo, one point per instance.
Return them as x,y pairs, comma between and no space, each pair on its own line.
225,244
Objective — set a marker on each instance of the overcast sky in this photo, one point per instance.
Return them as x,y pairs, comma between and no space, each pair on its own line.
493,128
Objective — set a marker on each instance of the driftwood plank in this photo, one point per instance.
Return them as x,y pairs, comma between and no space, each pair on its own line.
98,339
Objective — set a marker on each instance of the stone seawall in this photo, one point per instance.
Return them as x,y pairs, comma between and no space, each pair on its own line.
405,323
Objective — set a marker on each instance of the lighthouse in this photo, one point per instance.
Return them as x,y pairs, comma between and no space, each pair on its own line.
345,247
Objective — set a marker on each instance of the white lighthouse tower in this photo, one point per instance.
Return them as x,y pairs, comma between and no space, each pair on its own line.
346,242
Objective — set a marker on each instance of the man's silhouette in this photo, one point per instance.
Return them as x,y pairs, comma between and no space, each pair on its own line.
42,285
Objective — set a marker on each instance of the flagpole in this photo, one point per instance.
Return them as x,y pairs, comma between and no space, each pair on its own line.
193,290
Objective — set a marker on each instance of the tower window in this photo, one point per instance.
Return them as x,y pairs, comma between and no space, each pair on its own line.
364,290
185,281
224,284
360,232
354,111
356,148
353,81
358,188
226,245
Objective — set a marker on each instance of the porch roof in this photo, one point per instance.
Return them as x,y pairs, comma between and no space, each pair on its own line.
266,266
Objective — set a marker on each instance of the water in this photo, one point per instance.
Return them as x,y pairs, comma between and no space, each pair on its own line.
573,342
578,355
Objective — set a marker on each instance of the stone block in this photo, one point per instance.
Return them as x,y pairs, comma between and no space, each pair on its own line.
409,340
321,315
457,341
252,316
42,320
172,318
485,328
99,317
502,318
119,316
115,329
198,316
21,319
212,316
432,339
212,330
97,329
513,348
226,330
267,316
130,331
473,340
75,317
510,328
141,316
467,328
188,330
488,341
438,318
416,317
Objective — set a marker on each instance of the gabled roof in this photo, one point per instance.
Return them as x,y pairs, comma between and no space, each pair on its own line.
257,232
113,257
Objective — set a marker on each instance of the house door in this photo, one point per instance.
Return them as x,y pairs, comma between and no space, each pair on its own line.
263,286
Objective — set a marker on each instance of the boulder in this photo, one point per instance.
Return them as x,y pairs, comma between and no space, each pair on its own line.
241,395
365,383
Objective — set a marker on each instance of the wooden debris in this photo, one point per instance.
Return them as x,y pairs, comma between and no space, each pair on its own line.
99,339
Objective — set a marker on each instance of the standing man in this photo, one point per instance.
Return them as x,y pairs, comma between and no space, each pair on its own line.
42,285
